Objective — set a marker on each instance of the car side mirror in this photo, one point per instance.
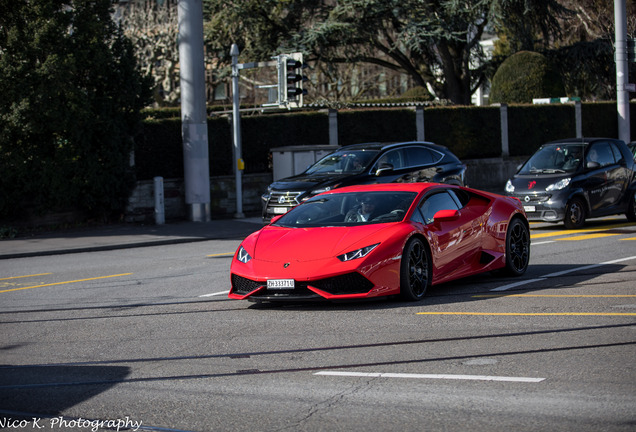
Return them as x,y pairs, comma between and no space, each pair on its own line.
383,169
446,215
592,164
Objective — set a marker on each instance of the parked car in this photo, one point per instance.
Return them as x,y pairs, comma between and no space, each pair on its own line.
364,164
575,179
381,240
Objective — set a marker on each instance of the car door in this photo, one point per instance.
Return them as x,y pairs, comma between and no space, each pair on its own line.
603,178
452,242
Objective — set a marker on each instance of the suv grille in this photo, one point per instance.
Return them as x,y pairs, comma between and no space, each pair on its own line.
283,201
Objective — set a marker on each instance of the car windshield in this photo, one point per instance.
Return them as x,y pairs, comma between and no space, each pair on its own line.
349,209
343,162
551,159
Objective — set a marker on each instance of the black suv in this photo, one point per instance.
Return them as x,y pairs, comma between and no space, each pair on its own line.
574,179
364,164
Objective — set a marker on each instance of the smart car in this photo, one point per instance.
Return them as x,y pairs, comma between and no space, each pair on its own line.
574,179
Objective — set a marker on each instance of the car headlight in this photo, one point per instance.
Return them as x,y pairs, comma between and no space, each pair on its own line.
243,256
358,253
559,185
509,187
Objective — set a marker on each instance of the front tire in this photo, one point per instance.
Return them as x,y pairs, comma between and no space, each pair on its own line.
574,214
631,209
517,248
415,270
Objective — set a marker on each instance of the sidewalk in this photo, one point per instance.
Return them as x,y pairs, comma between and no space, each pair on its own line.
126,236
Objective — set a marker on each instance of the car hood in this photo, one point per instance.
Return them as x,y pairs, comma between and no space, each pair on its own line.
535,183
307,244
306,182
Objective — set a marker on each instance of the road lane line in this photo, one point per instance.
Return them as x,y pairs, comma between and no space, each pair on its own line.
430,376
531,313
25,276
555,295
65,282
215,294
560,273
587,237
224,254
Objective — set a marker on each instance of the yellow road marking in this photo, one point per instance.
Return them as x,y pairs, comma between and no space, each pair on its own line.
555,295
586,237
530,314
221,254
581,231
25,276
65,282
629,238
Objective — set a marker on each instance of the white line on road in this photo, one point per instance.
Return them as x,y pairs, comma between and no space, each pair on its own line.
561,273
431,376
215,294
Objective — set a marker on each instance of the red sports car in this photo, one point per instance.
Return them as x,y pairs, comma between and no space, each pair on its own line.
381,240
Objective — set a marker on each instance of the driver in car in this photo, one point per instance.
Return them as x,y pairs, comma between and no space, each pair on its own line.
364,212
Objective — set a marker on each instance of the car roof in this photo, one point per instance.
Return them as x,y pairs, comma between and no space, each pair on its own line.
385,146
584,141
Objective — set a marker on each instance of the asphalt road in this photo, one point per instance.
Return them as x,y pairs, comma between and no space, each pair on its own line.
145,338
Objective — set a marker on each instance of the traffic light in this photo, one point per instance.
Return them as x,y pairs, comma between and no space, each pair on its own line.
290,80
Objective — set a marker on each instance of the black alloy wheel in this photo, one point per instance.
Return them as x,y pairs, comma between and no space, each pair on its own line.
517,248
574,214
415,271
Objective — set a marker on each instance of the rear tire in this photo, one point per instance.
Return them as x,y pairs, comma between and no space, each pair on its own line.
574,214
415,270
517,248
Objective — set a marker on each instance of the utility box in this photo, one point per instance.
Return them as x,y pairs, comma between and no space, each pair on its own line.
292,160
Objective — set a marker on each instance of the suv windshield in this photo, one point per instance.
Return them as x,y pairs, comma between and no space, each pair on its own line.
551,159
344,162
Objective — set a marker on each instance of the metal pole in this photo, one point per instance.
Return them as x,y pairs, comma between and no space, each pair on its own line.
236,135
622,71
194,126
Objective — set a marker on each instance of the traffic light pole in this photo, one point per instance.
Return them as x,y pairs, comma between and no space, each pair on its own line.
236,133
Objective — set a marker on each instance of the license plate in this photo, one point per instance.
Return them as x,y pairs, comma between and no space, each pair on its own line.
280,210
280,284
529,208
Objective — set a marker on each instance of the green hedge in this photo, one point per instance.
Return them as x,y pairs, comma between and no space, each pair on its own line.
470,132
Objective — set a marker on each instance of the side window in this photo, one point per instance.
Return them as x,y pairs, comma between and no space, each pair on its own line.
461,197
434,203
416,156
601,153
393,158
617,153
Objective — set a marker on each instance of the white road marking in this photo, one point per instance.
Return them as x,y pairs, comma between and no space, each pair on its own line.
431,376
216,294
561,273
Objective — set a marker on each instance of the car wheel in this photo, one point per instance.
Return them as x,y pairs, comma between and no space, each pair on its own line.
415,270
517,248
574,214
631,209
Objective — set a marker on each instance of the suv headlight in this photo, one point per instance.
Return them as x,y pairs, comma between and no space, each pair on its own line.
559,185
509,187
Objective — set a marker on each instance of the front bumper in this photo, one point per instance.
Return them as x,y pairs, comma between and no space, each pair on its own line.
544,206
